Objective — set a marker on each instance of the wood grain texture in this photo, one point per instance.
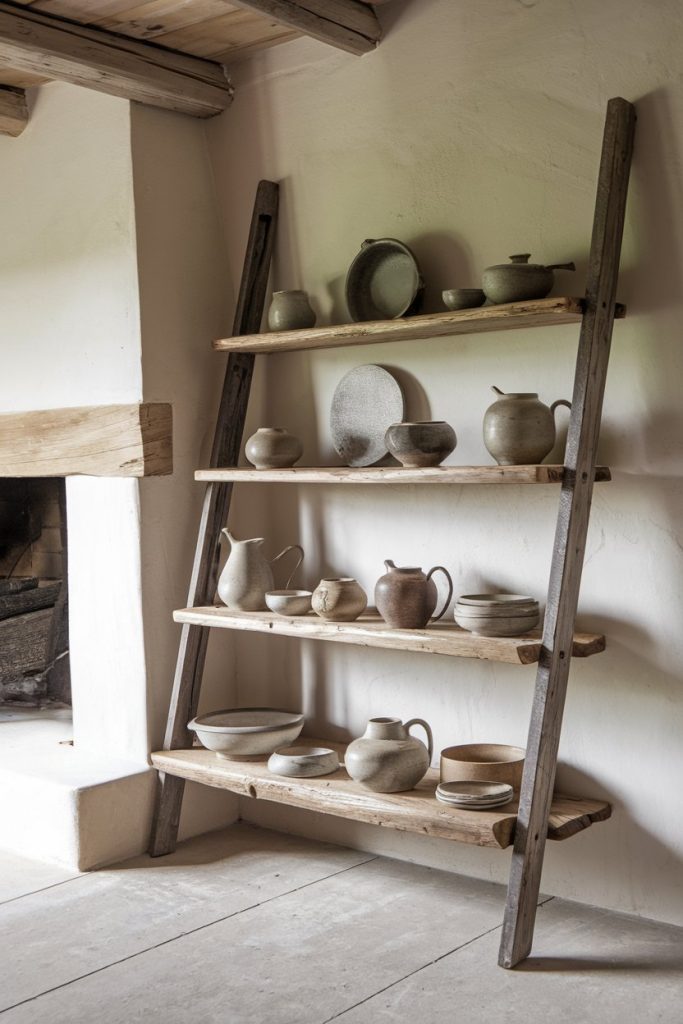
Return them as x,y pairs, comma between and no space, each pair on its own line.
508,317
37,43
371,631
13,111
570,536
30,600
91,440
346,24
415,811
397,475
226,448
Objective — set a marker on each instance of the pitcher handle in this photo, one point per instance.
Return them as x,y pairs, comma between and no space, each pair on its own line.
292,547
560,401
440,568
425,726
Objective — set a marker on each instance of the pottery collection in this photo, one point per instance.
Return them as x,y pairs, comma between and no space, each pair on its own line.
420,444
340,599
273,448
406,597
386,758
519,430
247,574
519,280
290,311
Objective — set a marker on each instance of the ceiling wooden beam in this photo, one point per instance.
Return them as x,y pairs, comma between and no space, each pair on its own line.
34,42
13,111
347,24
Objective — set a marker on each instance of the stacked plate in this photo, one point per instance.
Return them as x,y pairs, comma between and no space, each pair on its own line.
497,614
476,796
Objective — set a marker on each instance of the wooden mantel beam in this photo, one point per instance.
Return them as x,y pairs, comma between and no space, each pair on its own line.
13,111
347,24
42,44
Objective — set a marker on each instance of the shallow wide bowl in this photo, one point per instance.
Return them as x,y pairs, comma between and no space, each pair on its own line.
383,281
496,611
247,732
487,600
463,298
303,762
474,793
483,762
492,625
289,602
420,444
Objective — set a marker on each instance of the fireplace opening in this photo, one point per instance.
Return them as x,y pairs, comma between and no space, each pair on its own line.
34,629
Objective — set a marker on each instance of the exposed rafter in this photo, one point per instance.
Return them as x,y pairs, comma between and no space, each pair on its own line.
38,43
13,111
346,24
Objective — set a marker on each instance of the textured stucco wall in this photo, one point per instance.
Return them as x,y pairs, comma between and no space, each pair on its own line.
474,132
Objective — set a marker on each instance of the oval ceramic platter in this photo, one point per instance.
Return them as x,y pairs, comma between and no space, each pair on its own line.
365,404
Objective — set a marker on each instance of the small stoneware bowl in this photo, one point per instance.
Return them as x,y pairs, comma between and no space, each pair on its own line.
239,733
463,298
289,602
420,444
303,762
483,762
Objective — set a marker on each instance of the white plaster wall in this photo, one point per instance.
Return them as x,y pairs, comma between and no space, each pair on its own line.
474,132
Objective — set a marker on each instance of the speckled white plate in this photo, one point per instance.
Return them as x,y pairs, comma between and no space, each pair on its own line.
365,404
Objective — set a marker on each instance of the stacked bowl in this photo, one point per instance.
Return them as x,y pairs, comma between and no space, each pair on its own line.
497,614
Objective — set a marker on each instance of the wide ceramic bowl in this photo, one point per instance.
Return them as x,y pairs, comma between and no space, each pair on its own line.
496,600
463,298
483,762
247,732
383,281
497,625
420,444
303,762
496,611
289,602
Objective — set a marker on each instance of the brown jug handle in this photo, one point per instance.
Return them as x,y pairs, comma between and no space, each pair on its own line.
292,547
425,726
440,568
560,401
561,266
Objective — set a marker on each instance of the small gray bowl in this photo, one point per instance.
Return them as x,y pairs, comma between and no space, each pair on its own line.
303,762
289,602
463,298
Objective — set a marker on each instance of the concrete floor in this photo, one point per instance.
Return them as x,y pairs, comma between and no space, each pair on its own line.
248,926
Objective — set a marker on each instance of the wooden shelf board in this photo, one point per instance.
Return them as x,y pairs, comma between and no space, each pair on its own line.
415,811
395,475
507,317
371,631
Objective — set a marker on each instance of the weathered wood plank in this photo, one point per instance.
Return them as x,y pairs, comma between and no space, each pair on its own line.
96,440
13,111
570,537
38,43
346,24
30,599
397,475
227,444
371,631
417,810
508,317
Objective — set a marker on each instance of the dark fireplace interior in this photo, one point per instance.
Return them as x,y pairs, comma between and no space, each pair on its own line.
34,631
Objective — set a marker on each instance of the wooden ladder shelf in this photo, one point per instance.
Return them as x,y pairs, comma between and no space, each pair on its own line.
540,814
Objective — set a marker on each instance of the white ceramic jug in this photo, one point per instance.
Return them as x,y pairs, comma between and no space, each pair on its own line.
247,574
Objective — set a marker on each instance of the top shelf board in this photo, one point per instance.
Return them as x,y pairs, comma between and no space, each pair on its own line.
507,317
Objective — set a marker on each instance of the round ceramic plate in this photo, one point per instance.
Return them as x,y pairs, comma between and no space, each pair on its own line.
474,794
365,404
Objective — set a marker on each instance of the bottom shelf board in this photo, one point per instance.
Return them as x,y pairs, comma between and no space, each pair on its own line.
416,811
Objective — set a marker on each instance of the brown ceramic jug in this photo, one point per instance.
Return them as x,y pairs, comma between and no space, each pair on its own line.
406,597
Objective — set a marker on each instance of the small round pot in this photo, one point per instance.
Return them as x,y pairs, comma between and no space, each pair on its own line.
273,448
303,762
420,444
289,602
483,762
463,298
339,600
519,280
290,311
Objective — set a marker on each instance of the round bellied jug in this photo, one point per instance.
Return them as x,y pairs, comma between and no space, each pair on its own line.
406,597
247,575
386,758
519,430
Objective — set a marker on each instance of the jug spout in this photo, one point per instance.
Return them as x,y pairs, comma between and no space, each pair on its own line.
389,564
226,533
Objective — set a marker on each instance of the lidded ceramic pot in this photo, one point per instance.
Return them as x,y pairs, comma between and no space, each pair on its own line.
519,430
341,599
386,758
273,448
290,311
406,597
519,279
420,444
247,575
